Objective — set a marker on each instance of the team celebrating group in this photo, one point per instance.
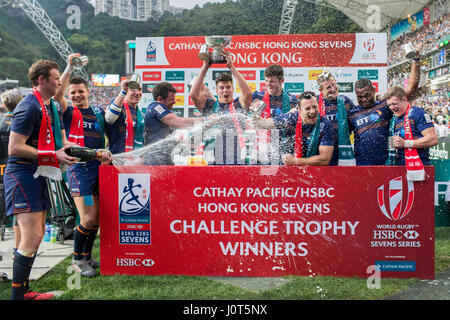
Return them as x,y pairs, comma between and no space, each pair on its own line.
310,130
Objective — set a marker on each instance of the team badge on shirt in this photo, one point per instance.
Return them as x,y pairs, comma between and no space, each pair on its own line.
159,109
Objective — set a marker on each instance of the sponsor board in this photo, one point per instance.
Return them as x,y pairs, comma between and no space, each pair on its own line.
303,57
148,87
345,87
178,111
179,100
368,74
252,86
258,221
294,87
174,75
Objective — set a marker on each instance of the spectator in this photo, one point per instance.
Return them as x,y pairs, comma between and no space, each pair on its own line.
443,129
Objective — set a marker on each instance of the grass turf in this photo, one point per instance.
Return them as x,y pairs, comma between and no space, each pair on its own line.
123,287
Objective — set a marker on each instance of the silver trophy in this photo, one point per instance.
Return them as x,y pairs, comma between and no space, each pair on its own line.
410,52
216,43
391,143
135,82
79,62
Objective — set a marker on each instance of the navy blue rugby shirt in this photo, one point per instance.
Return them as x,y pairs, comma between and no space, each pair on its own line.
276,102
92,136
155,129
371,129
117,131
288,122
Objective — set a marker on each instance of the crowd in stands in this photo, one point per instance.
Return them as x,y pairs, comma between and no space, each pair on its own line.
437,104
400,76
102,96
427,37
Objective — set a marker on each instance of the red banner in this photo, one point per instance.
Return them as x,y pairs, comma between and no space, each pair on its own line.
426,16
266,221
251,51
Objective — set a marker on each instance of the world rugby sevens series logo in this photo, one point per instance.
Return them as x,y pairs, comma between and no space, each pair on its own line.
395,206
369,45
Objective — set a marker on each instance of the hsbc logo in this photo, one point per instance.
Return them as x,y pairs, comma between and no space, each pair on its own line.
391,201
128,262
151,76
411,234
248,74
179,87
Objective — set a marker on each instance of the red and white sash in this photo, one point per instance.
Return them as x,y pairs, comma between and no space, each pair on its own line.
414,166
48,165
76,133
129,138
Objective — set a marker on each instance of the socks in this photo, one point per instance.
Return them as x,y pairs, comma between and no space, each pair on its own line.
21,272
80,236
83,242
89,243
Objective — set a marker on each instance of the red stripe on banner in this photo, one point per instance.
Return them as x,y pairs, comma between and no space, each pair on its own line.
381,197
393,192
397,210
409,203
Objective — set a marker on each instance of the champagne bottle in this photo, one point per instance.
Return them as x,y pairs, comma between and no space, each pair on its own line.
85,154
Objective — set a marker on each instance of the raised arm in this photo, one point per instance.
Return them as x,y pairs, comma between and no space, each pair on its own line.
197,93
114,110
65,77
246,93
175,121
414,77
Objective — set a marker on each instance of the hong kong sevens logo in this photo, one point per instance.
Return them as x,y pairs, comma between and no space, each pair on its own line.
396,199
